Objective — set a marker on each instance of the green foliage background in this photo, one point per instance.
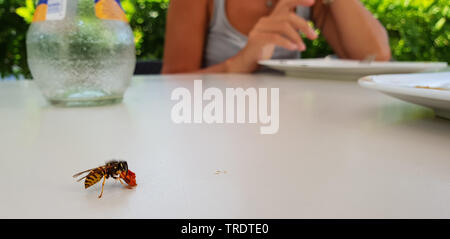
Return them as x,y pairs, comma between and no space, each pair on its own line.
418,29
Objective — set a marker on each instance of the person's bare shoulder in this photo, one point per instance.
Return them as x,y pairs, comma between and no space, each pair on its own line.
189,8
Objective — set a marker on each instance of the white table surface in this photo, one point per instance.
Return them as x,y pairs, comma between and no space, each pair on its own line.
341,152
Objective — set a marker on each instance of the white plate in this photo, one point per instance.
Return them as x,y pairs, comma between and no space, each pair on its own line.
426,89
326,68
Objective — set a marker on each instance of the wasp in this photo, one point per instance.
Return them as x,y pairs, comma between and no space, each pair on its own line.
114,169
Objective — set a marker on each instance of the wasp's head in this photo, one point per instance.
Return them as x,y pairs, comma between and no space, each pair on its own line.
123,166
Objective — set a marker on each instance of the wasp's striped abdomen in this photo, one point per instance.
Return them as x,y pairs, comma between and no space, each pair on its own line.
94,177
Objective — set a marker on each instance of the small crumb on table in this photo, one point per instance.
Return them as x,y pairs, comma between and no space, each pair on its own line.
220,172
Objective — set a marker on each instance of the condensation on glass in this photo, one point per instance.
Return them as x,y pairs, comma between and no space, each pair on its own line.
81,52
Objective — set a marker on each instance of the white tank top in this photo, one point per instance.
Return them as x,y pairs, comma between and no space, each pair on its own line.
224,41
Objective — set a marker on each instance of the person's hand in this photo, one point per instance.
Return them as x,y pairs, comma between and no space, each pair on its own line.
280,28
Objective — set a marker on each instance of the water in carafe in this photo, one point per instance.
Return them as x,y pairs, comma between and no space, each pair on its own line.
81,52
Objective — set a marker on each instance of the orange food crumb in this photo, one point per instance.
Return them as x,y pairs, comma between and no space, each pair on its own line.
129,178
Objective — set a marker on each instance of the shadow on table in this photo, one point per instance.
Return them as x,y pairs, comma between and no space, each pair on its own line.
150,67
416,117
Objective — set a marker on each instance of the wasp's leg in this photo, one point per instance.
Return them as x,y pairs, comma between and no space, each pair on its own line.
103,185
125,185
119,180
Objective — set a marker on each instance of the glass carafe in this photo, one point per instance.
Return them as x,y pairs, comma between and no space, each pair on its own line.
81,52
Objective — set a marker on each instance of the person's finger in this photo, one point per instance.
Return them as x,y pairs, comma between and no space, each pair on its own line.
285,29
301,24
278,40
288,5
297,23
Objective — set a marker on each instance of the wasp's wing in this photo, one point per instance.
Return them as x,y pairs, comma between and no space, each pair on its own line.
81,178
86,171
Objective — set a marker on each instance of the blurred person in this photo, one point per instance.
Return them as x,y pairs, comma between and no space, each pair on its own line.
231,36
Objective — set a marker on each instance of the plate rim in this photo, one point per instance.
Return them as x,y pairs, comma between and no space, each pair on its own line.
424,65
367,82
